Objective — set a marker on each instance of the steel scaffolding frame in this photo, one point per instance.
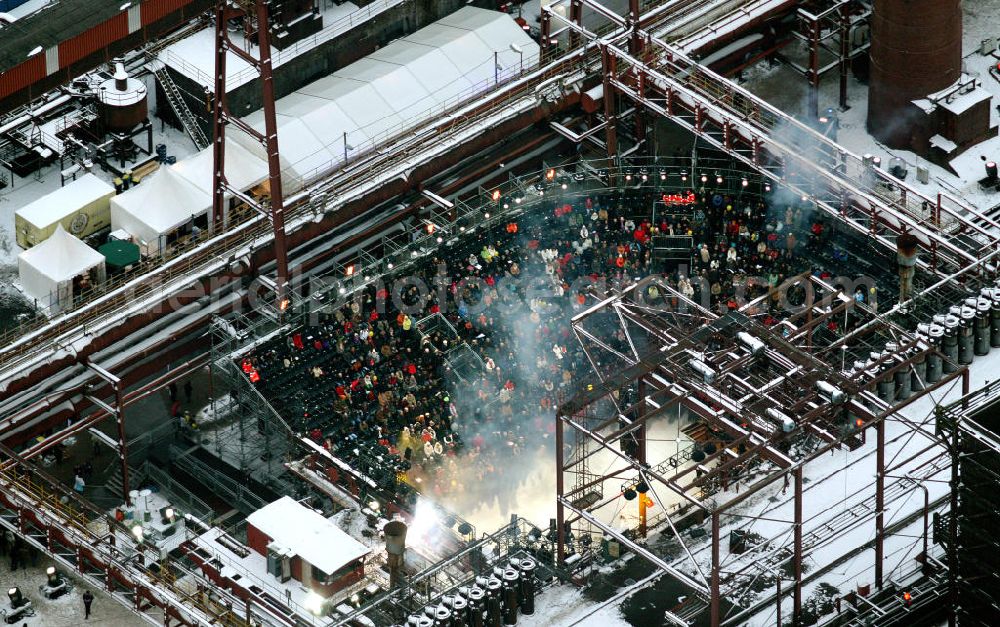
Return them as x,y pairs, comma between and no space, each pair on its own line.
255,438
658,77
255,16
745,373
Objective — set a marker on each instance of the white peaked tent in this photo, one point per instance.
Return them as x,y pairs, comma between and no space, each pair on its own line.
47,270
244,170
163,202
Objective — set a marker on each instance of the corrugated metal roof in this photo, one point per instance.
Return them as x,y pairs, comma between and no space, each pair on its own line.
50,26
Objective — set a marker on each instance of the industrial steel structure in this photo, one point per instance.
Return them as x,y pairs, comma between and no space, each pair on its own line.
761,404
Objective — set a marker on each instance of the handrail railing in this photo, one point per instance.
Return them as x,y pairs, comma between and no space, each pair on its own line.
338,27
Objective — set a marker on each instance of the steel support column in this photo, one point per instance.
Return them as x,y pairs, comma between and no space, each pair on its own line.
608,66
219,181
952,547
118,411
716,614
640,449
273,159
814,69
635,48
879,501
576,16
797,550
845,33
251,9
560,488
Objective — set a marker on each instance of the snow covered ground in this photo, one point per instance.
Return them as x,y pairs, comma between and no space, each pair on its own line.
66,611
25,190
563,606
786,89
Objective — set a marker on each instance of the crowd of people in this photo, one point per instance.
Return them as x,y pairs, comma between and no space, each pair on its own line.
379,368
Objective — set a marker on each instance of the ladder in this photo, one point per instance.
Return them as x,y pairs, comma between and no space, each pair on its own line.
180,108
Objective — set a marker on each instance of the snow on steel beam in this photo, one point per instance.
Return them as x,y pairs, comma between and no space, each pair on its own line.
707,76
697,587
895,220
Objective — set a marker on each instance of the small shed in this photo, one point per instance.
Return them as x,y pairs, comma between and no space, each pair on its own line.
299,542
81,207
58,269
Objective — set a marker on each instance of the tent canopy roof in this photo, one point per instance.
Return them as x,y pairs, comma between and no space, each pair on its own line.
243,169
65,200
61,257
407,81
164,201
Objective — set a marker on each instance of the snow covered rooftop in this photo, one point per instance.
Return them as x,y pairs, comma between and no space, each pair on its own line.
961,103
307,534
64,201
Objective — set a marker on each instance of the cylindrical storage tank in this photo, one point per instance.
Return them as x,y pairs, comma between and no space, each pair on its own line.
831,393
515,563
395,546
935,333
706,371
753,345
122,101
413,620
903,389
916,50
907,246
477,600
966,334
949,343
442,617
982,327
494,603
511,590
459,608
995,318
886,383
784,420
527,567
919,372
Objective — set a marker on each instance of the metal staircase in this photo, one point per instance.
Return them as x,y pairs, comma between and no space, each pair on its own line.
180,108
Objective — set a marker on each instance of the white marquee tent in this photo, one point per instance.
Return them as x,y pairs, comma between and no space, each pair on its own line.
321,124
244,170
410,80
163,202
47,270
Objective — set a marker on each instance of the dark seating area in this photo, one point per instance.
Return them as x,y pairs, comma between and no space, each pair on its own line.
374,388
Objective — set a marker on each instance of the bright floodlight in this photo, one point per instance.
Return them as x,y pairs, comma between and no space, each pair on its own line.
137,532
314,603
51,570
425,517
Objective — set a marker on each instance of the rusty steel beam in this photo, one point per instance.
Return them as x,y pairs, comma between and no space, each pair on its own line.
31,506
269,139
797,549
